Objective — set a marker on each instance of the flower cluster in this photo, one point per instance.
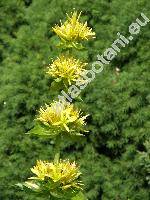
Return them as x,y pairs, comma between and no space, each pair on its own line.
60,179
73,30
55,177
63,116
66,68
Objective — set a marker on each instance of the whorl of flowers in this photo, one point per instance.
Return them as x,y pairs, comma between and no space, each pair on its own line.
63,116
73,30
67,69
60,176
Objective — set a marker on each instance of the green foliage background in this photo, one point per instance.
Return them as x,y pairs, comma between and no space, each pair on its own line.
115,156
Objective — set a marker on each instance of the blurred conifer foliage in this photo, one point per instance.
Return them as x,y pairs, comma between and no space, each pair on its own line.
115,157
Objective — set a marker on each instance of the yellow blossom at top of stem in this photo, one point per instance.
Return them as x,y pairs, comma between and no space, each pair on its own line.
73,30
63,116
67,68
62,174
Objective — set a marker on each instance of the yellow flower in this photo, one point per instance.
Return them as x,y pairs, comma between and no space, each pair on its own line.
40,170
63,116
62,174
67,68
73,30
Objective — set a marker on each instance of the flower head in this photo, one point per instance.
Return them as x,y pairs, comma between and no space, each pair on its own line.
67,69
59,176
73,30
62,116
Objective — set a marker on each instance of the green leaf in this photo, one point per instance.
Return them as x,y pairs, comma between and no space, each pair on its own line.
43,130
79,196
20,185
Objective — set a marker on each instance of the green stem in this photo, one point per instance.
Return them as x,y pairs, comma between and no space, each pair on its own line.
57,149
56,158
